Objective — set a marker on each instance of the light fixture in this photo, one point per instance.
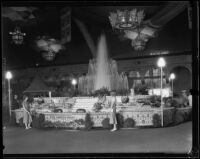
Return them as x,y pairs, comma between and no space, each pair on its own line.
138,43
131,23
126,19
74,82
17,36
8,75
49,55
172,76
48,46
161,63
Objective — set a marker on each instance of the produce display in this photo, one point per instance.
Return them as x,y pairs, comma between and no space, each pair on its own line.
135,111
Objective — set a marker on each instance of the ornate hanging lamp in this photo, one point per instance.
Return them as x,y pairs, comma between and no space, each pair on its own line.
17,36
126,19
133,27
49,55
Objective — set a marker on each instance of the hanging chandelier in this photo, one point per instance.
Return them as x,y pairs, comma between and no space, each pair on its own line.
138,44
133,27
126,19
49,47
17,36
49,55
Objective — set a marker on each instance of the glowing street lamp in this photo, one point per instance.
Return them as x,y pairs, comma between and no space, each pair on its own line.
74,82
161,63
9,77
172,77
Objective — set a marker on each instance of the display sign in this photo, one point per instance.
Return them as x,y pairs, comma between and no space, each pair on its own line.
64,117
97,118
66,25
142,118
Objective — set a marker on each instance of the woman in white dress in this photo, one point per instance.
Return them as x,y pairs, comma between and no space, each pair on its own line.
27,116
113,104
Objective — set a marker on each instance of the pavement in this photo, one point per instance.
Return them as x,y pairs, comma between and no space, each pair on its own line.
176,139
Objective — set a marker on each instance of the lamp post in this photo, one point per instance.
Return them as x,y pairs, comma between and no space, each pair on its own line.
172,77
161,63
8,77
74,82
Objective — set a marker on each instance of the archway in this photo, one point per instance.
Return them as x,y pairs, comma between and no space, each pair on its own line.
183,80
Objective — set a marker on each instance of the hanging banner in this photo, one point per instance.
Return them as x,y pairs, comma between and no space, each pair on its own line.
65,25
190,17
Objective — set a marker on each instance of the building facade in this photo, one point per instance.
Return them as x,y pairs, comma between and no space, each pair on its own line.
138,70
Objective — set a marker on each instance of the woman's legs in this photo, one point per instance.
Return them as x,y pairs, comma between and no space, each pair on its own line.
114,121
25,120
29,121
26,125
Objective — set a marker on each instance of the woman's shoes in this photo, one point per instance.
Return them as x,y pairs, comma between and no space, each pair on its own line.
113,130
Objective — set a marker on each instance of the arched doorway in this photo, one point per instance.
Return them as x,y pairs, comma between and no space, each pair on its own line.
183,80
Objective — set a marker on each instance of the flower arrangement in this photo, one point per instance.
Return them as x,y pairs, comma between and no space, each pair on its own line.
79,123
97,107
124,99
153,101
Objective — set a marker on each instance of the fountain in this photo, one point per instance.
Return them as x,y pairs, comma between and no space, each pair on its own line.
102,73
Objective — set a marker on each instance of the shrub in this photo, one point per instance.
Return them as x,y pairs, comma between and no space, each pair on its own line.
129,123
141,89
179,118
106,123
156,120
38,121
88,122
185,115
101,91
80,121
167,101
120,120
48,124
167,117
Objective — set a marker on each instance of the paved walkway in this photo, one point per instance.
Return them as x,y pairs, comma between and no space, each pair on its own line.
177,139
